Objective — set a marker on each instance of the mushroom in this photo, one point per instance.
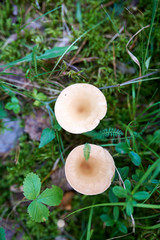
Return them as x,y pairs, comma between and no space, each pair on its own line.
80,107
93,176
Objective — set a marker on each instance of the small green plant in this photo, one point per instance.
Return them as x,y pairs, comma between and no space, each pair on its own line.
112,219
13,105
131,198
39,96
124,148
50,196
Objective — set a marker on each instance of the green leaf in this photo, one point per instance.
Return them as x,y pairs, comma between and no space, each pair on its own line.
2,234
141,195
112,196
122,147
3,113
129,208
127,185
51,53
16,108
47,136
122,227
51,196
108,221
123,172
135,158
116,213
120,192
78,12
148,62
31,186
14,100
38,212
86,151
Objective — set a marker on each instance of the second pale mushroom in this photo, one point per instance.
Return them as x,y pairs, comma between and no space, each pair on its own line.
93,176
80,107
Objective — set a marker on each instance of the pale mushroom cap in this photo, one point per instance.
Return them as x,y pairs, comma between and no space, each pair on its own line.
80,107
93,176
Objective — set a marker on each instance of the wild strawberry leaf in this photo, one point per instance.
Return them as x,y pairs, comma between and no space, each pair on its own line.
38,212
31,186
51,196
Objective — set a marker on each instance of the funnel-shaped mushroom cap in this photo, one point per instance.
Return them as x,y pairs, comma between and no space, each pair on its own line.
93,176
80,107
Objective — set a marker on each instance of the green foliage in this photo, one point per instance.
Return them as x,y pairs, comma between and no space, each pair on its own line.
135,158
112,220
3,113
102,135
13,105
86,151
39,96
2,234
47,136
51,53
52,197
31,186
38,212
124,148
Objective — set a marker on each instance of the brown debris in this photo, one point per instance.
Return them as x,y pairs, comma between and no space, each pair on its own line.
59,179
66,203
34,124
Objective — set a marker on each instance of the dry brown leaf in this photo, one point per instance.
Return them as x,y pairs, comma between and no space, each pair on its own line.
134,58
66,203
35,124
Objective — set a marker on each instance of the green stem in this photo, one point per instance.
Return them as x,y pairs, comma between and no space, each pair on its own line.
139,205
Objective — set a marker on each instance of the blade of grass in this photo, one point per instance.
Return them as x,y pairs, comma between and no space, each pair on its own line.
89,225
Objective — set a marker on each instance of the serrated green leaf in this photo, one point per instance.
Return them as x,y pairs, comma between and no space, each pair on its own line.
116,213
120,192
51,196
127,185
135,158
47,136
31,186
142,195
122,147
86,151
2,234
38,212
129,208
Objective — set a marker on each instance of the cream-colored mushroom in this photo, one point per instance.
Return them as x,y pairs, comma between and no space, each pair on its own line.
80,107
93,176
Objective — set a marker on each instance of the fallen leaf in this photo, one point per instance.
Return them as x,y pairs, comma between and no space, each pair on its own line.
34,124
66,203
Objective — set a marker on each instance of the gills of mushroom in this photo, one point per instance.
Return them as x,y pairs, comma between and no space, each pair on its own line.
80,107
93,176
